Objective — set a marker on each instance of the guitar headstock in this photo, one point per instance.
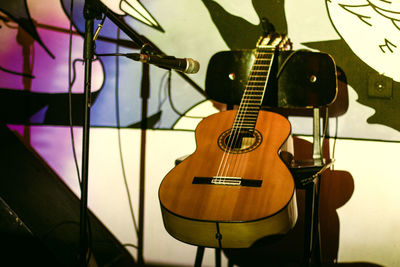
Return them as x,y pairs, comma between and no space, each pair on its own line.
275,41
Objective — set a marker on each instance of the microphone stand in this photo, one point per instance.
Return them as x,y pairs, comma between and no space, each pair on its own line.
90,12
94,9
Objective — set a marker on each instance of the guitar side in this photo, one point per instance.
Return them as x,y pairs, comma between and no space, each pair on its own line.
238,214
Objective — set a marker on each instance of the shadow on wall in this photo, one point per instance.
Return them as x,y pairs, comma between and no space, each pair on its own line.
337,187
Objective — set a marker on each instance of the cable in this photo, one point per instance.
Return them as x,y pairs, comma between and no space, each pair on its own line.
284,63
160,100
119,136
17,73
74,69
172,104
70,83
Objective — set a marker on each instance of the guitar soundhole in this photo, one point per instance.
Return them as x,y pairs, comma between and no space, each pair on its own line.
239,141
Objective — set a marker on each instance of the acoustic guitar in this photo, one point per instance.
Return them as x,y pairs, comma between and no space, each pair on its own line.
234,189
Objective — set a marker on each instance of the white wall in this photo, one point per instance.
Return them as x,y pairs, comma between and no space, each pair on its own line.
368,220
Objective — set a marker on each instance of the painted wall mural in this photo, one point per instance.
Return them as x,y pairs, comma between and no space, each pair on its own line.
34,58
368,52
43,98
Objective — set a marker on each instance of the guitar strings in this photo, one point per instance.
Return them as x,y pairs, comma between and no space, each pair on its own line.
259,78
233,138
239,125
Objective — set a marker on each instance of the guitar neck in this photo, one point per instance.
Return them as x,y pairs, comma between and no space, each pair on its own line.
254,92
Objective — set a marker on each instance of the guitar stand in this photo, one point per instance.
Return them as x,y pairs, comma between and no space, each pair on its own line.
312,241
308,179
200,254
307,176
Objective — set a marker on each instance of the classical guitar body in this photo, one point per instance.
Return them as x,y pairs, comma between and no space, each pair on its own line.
234,189
230,196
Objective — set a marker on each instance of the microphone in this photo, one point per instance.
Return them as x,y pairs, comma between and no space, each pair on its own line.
185,65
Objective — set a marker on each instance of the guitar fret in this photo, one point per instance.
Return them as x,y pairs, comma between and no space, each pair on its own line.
241,121
252,98
253,95
236,127
251,102
244,124
257,78
256,91
250,106
248,119
256,86
244,116
259,73
249,97
249,110
250,114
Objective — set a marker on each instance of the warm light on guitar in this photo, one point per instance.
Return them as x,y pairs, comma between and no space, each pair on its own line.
234,189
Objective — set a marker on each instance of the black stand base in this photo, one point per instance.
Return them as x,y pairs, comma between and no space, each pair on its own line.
200,254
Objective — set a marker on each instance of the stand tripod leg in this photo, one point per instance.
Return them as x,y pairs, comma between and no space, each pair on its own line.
312,249
316,252
199,256
217,257
308,223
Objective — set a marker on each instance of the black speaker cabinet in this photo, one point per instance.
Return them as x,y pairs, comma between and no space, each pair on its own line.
39,214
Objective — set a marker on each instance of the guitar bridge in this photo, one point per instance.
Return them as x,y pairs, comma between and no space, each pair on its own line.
221,180
227,181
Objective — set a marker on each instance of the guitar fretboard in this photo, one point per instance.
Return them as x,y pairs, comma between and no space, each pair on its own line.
253,95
